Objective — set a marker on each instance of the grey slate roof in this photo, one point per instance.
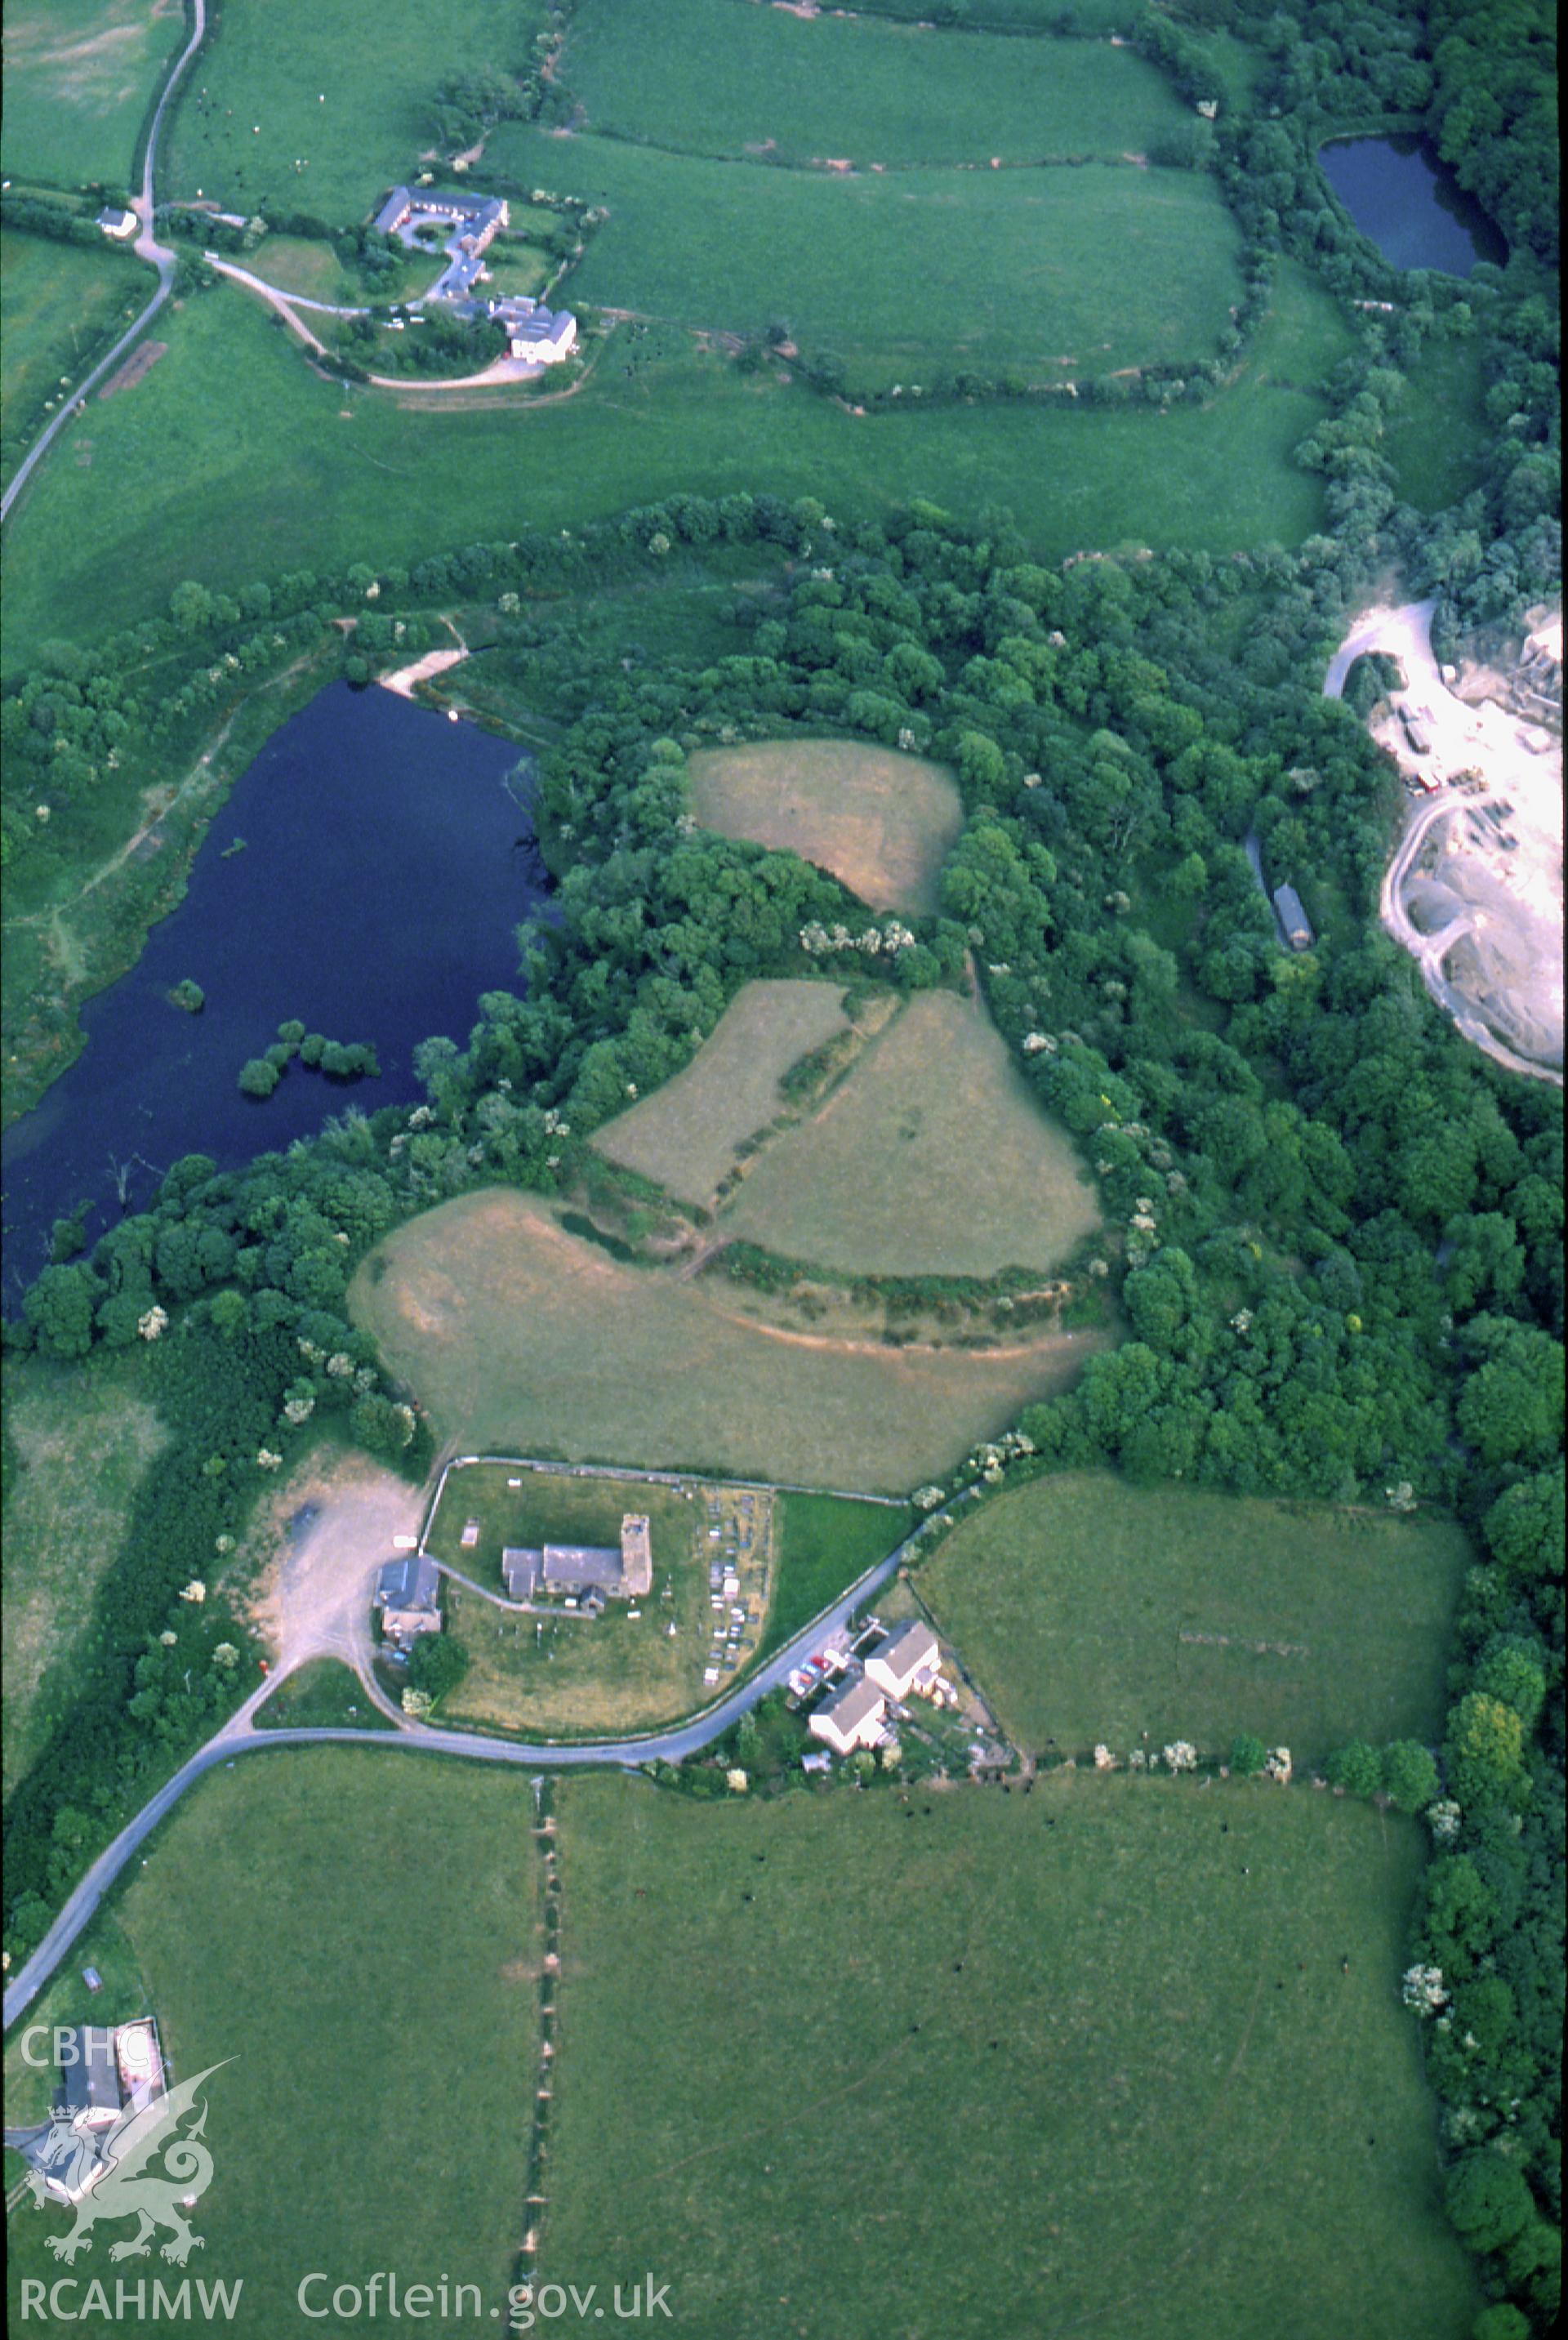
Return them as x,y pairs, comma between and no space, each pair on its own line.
91,2084
1292,916
413,1582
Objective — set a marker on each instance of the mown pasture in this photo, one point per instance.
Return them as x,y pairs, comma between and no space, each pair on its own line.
1023,2068
687,1134
361,1933
931,1158
80,76
519,1337
79,1439
322,109
711,77
174,490
1051,274
1089,1610
61,303
883,822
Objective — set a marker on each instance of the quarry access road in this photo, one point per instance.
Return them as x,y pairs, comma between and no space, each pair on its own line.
240,1736
146,247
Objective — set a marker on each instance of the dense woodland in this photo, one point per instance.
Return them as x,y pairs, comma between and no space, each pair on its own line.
1334,1227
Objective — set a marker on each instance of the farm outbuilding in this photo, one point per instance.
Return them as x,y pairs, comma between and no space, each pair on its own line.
1295,924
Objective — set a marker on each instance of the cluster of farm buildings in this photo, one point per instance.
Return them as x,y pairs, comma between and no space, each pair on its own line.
539,335
107,2073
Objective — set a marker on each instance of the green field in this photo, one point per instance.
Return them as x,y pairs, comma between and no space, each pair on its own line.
1150,2104
361,1933
824,1544
1438,432
884,823
307,265
174,490
80,77
687,1134
60,304
1089,1610
1052,273
81,1442
726,77
323,109
932,1158
518,1336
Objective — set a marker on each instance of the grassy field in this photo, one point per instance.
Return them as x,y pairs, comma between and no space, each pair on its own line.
308,265
723,77
687,1134
1027,2065
59,303
1437,434
518,1336
932,1158
1090,1610
82,1441
362,1934
908,276
325,108
80,75
884,823
175,490
322,1693
824,1544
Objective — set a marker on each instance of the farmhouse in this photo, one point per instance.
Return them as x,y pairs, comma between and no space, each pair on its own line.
105,2074
408,1595
617,1572
120,224
543,335
905,1660
853,1718
1294,924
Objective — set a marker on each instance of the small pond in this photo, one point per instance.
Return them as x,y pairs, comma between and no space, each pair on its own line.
388,860
1410,204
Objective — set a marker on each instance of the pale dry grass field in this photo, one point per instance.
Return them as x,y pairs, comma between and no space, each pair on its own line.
931,1158
882,822
685,1134
521,1337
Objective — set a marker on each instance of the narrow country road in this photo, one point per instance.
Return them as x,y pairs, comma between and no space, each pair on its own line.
146,247
238,1736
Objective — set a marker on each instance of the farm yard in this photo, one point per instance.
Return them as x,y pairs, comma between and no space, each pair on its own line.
79,81
906,276
687,1134
625,1669
362,1934
715,78
932,1158
1089,1610
882,822
518,1336
1070,2018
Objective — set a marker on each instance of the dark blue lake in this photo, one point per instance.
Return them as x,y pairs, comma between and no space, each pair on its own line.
388,860
1410,204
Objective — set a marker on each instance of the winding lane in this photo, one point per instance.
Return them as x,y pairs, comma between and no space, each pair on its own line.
240,1736
146,247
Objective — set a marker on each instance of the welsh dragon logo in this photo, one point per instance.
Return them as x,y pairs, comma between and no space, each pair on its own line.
109,2175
